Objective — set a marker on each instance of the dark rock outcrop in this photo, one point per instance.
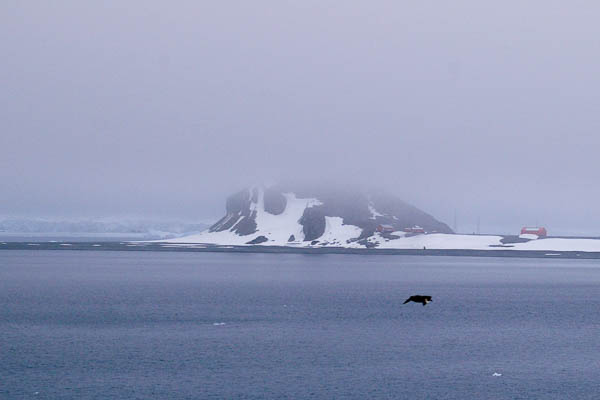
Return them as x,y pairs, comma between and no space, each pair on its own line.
247,225
402,215
240,218
510,239
257,240
313,222
275,201
354,209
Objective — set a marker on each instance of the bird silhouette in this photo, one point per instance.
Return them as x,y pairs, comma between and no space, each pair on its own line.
419,299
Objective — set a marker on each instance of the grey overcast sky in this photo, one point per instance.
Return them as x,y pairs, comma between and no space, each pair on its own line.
162,109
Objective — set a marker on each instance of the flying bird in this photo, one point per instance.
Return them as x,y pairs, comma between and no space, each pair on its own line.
419,299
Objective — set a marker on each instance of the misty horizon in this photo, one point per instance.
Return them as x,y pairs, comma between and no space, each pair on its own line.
160,112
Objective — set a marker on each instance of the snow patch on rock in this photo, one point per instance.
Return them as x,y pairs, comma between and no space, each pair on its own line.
337,234
278,228
374,212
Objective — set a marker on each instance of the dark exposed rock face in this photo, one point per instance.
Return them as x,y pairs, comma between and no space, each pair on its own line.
275,201
367,244
313,222
257,240
239,218
247,225
402,215
292,238
354,208
513,239
254,193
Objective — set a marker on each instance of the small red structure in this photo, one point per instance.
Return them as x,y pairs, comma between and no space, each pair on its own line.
540,231
385,228
414,229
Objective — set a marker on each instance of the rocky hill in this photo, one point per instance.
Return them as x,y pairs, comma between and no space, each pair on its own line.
314,216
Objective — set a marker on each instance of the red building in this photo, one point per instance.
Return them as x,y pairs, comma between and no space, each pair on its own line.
414,229
385,228
540,231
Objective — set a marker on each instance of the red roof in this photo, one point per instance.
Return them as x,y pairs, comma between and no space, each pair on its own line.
385,228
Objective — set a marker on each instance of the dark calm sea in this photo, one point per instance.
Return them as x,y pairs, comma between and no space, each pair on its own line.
150,325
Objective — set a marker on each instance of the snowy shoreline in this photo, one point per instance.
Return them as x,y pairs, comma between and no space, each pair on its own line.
313,250
434,241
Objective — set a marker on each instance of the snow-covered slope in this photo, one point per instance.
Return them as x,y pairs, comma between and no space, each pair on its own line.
441,241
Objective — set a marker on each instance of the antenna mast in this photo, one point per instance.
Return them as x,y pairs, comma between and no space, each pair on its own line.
455,226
